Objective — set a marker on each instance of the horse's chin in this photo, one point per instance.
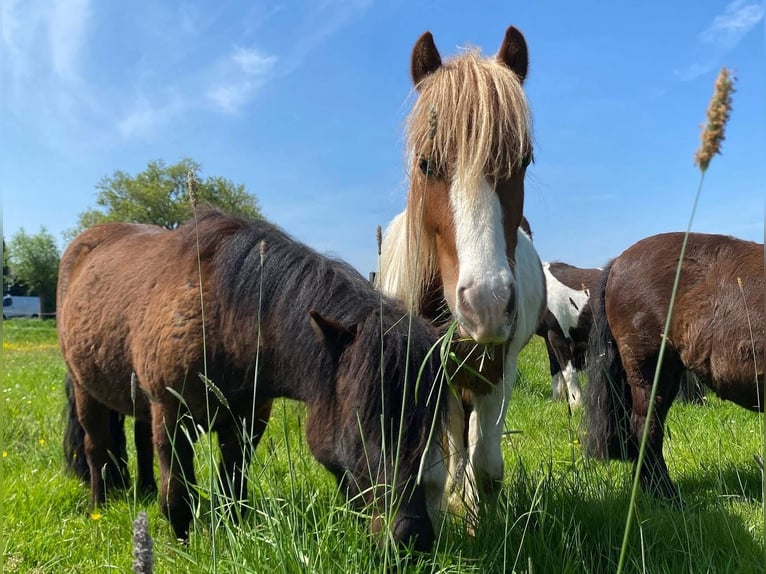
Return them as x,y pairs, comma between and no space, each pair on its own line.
488,335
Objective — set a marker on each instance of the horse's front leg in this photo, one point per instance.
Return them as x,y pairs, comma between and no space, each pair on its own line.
175,452
142,437
485,433
654,474
237,447
456,452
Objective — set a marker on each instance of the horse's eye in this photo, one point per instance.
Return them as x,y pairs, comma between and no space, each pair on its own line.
425,166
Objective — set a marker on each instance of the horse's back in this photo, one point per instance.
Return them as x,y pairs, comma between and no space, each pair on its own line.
718,325
103,272
108,257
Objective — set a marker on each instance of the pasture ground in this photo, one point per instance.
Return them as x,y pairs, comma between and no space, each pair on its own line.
558,513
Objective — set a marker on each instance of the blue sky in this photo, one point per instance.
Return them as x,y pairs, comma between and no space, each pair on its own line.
304,103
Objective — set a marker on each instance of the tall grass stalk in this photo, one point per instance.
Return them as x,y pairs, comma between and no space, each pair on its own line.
194,200
712,137
763,422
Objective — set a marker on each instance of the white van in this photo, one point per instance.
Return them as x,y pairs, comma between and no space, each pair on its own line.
14,306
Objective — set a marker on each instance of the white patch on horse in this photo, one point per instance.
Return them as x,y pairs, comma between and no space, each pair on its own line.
566,385
487,420
485,278
565,303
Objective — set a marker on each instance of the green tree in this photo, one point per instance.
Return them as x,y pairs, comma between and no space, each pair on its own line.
159,195
7,277
34,261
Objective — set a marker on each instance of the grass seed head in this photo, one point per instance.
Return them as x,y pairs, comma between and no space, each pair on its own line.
143,555
192,185
717,116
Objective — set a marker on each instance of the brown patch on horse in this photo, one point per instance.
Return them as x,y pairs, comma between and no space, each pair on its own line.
576,278
488,363
511,194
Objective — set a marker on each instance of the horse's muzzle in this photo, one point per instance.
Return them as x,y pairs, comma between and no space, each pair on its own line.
411,527
486,313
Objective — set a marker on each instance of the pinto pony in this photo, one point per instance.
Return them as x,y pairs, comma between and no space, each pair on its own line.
566,325
279,320
717,331
457,251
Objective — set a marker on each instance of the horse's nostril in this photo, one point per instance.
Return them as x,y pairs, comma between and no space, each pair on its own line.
462,298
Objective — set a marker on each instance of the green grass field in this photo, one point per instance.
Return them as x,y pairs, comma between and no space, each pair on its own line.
558,513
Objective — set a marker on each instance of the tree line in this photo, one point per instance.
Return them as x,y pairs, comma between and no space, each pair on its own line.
158,195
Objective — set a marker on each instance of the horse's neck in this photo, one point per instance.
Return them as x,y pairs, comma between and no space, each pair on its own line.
530,291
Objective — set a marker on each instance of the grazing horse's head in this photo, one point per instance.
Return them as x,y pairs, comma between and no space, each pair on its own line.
469,142
376,431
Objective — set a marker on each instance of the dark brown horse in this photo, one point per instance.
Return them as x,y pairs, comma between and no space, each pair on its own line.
566,325
458,250
717,331
279,320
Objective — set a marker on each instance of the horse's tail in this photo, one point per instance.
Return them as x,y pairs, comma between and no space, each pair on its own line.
74,436
607,399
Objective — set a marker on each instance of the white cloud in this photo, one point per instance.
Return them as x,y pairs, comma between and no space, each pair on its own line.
11,24
727,29
67,26
253,63
44,45
323,19
723,34
239,78
694,71
145,119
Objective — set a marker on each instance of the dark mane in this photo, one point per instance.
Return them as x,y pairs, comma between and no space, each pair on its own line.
290,271
256,265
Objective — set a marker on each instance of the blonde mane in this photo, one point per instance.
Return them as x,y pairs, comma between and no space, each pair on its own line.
471,119
482,120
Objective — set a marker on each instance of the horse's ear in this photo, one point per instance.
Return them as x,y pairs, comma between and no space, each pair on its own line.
513,52
425,58
331,333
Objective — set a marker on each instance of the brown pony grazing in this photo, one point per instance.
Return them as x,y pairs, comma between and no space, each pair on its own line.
457,251
717,331
566,325
279,320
